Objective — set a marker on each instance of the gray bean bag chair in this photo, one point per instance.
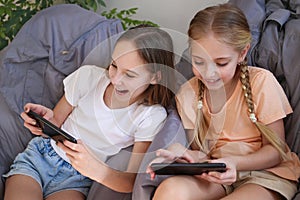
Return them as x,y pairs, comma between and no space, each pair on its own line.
51,45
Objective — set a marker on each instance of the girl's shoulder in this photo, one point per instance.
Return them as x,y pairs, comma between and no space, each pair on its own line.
85,78
260,75
150,110
90,73
190,86
91,70
258,71
155,113
187,95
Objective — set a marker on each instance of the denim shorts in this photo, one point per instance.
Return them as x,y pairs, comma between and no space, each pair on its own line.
54,174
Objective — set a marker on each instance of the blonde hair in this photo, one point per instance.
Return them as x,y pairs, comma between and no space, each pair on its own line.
269,134
229,25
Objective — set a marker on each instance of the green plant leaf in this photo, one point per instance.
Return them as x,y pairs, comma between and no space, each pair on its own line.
15,13
102,3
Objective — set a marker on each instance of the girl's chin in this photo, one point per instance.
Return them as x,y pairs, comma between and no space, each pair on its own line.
214,86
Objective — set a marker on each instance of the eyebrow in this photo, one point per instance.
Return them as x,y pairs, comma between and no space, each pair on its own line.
128,70
197,56
228,58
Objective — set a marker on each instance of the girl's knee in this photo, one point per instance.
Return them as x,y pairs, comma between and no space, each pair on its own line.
170,188
188,187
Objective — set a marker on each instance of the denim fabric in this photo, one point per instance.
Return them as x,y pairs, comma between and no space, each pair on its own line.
43,164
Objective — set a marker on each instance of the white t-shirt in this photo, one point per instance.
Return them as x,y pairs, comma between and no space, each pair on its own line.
103,130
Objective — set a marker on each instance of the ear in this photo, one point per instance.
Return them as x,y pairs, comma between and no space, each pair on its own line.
243,53
156,78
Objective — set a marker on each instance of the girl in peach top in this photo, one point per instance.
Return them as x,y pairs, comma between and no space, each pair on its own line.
232,114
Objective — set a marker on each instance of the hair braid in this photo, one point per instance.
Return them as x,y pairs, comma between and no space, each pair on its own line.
267,132
200,125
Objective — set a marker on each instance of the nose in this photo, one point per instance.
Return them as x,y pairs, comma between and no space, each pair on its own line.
211,70
116,78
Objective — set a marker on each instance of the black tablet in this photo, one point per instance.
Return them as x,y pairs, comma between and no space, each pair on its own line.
50,129
187,168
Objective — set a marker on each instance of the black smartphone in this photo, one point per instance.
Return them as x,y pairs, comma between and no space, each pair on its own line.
50,129
187,168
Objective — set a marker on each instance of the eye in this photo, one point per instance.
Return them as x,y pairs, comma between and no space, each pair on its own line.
113,65
198,62
222,64
130,75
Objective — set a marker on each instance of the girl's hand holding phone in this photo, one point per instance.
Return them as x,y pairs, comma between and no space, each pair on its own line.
175,153
225,178
30,123
81,159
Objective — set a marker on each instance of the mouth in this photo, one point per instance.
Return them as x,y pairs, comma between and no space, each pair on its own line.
212,81
121,92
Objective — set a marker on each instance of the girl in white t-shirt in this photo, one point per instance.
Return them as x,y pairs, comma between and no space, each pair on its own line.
106,111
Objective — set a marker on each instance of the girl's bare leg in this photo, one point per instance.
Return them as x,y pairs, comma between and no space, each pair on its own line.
67,194
253,191
26,188
22,187
188,188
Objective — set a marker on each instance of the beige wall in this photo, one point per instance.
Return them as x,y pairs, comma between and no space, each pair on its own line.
173,15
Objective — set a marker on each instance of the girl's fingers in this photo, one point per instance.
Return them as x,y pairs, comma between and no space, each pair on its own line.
165,153
28,119
151,172
214,180
170,156
186,157
33,128
71,148
70,145
39,109
79,147
63,147
69,152
218,177
166,156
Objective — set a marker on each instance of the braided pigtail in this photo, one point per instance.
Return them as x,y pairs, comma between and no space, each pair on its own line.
266,131
200,125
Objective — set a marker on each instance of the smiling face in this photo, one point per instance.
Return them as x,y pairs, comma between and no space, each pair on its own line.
128,73
215,63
